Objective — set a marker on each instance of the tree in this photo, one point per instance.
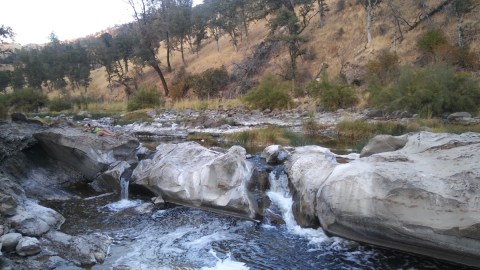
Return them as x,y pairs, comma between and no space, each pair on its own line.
181,23
459,8
6,32
4,79
285,18
149,40
369,5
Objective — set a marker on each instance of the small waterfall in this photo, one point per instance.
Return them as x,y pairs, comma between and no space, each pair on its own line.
124,188
281,198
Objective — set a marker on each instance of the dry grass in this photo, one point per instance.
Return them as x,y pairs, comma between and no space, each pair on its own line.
210,104
328,45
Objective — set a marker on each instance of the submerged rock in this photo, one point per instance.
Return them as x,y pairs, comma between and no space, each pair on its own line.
423,198
190,174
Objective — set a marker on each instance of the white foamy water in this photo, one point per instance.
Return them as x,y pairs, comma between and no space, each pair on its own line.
122,205
225,264
191,244
280,196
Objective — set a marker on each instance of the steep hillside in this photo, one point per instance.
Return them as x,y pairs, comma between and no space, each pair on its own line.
341,45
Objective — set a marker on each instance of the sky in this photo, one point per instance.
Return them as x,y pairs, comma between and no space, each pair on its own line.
32,21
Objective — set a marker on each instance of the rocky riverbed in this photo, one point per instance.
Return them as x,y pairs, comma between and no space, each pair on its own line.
417,193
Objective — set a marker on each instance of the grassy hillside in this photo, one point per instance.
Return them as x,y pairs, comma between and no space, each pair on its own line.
341,43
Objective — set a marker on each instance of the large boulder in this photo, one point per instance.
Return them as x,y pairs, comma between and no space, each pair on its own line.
274,154
35,220
383,143
86,152
307,168
15,137
28,246
82,250
423,198
190,174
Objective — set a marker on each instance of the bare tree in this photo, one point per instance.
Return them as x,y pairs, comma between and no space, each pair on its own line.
369,5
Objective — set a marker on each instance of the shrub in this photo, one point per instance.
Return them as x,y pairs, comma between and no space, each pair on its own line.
209,83
384,68
333,96
430,91
60,104
431,41
27,100
269,94
81,102
145,98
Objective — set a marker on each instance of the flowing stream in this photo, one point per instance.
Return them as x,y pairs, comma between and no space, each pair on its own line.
174,237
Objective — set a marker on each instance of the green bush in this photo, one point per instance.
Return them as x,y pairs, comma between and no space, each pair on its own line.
27,100
431,41
81,102
430,91
148,97
333,96
59,104
209,83
269,94
384,68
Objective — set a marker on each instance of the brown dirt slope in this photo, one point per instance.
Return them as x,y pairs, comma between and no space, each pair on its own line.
342,41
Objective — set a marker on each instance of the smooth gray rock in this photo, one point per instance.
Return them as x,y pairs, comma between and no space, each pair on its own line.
274,154
10,241
110,180
28,246
307,168
383,143
86,152
82,250
423,198
35,220
190,174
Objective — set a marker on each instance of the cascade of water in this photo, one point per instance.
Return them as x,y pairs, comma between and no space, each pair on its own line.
281,198
124,188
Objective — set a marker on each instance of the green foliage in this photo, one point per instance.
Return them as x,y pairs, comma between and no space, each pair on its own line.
59,104
430,91
4,80
333,96
209,83
27,100
431,41
81,101
269,94
147,97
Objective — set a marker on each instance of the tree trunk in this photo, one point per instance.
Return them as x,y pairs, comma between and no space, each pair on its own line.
321,11
167,40
125,62
458,19
160,74
369,22
181,51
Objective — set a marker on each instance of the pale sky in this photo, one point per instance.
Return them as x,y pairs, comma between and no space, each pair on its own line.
34,20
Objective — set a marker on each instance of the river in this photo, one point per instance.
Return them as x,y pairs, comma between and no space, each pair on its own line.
177,237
